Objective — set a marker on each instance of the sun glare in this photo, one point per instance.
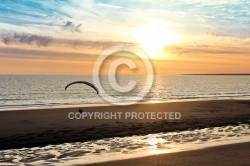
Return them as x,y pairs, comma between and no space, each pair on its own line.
153,39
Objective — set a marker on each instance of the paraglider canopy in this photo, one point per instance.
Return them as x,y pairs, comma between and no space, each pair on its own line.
83,82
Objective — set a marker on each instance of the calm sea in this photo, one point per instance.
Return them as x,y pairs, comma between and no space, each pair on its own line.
19,91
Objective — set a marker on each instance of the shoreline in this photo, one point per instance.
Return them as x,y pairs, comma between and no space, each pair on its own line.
135,148
231,154
40,127
107,104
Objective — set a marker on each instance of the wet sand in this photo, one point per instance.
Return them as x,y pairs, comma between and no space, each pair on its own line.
40,127
233,155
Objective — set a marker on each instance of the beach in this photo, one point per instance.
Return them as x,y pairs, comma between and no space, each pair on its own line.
124,83
40,127
233,155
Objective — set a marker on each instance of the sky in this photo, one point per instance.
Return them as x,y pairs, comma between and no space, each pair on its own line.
179,36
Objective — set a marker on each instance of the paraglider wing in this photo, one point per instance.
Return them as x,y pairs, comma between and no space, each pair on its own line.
83,82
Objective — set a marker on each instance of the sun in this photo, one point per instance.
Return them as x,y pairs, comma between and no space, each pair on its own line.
153,39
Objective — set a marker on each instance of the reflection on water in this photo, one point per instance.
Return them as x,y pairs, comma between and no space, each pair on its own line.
46,91
125,147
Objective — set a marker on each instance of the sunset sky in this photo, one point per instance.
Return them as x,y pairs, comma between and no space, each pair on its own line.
180,36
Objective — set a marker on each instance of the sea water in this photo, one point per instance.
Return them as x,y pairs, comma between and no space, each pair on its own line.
22,91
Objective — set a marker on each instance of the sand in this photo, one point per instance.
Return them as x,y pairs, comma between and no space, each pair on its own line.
233,155
40,127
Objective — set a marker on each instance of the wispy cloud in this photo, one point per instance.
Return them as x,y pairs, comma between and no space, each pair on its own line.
30,39
45,41
72,27
16,53
109,6
101,19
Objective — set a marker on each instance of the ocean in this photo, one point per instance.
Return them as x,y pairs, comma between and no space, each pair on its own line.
22,91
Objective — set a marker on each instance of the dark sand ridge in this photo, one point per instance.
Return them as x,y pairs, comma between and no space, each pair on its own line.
28,128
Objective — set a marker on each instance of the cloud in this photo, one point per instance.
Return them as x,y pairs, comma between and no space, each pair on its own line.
110,6
30,39
204,50
72,27
16,53
102,20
